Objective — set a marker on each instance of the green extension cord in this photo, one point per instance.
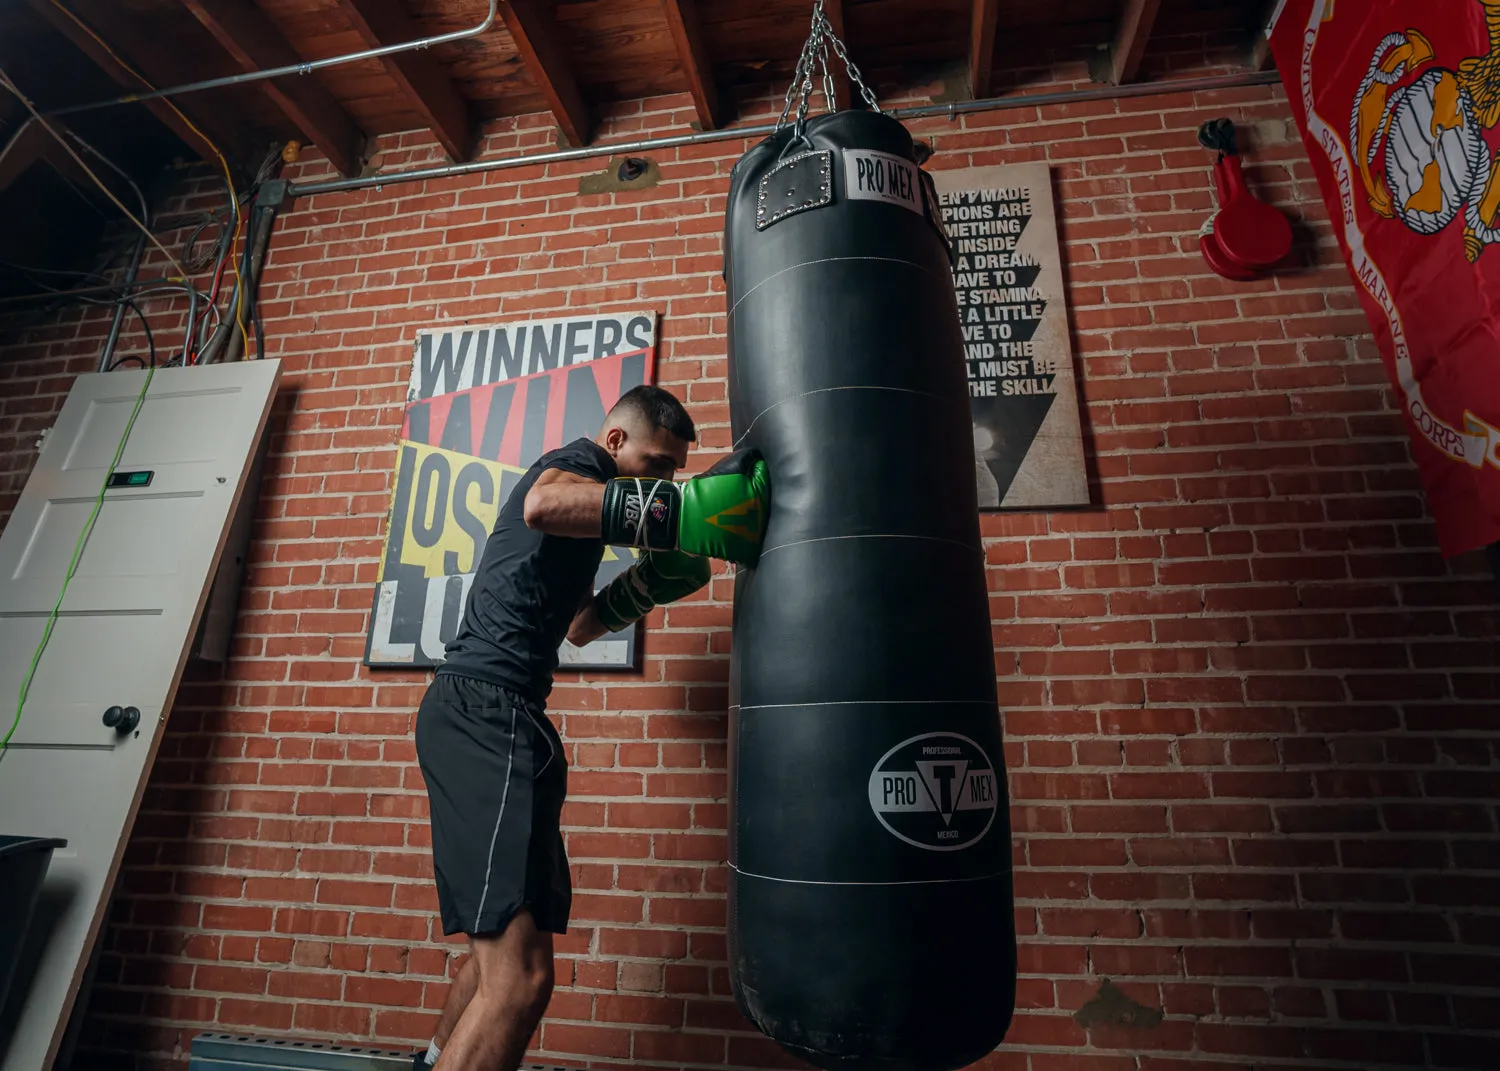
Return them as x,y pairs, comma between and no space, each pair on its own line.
83,538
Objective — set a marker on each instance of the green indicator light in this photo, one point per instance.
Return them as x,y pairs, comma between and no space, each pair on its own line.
139,478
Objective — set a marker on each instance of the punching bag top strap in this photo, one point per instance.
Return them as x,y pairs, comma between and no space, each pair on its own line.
794,185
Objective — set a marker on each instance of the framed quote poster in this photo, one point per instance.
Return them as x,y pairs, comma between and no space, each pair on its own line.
1028,436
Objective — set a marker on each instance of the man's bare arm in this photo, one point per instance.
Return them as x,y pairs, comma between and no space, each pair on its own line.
586,626
564,504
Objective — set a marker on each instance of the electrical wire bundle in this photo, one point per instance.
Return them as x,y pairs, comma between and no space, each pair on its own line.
231,250
217,312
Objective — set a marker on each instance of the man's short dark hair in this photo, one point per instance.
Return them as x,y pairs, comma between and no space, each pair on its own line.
657,408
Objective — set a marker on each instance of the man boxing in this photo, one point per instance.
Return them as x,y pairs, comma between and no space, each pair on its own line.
494,765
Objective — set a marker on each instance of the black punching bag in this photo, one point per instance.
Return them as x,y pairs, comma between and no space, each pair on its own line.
870,903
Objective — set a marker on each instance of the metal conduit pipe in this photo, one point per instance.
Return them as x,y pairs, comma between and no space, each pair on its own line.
1028,100
228,341
242,304
166,288
305,67
229,327
192,313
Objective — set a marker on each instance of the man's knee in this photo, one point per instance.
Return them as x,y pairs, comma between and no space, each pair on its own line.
521,992
515,967
537,985
536,977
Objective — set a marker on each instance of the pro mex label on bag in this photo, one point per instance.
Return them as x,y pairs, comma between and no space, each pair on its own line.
879,176
936,791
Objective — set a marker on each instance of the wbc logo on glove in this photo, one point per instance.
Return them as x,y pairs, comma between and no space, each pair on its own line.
659,509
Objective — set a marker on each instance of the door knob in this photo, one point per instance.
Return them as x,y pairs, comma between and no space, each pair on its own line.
122,720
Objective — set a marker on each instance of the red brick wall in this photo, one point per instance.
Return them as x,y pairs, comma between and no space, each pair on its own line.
1249,709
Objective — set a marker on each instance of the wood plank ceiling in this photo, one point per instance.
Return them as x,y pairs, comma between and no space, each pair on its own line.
571,58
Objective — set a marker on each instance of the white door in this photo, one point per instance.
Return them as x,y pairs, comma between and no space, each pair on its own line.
121,639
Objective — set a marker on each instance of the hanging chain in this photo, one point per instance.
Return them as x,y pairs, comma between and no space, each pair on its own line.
829,100
801,84
814,55
806,95
864,91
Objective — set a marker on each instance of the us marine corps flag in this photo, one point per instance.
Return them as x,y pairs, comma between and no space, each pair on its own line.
1398,102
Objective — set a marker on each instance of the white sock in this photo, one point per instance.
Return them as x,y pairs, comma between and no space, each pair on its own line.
432,1053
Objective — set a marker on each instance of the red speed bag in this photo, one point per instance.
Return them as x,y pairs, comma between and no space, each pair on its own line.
1213,254
1249,233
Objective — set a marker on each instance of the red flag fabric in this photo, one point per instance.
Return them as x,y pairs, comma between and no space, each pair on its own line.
1398,102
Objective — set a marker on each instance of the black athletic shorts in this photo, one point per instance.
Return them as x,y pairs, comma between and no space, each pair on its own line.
496,778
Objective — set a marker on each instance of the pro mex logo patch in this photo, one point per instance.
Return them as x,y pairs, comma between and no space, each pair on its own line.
936,791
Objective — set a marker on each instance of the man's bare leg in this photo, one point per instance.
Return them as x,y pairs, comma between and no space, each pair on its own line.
459,995
513,982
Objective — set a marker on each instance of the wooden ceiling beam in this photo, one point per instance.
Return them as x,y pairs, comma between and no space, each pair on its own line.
172,119
982,47
535,32
834,9
421,77
253,42
687,35
1122,62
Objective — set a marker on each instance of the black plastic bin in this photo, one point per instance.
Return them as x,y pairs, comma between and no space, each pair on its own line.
23,865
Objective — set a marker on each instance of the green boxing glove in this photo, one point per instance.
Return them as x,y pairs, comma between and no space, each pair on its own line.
720,514
659,577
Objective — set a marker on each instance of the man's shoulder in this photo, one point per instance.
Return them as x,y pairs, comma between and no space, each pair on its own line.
582,457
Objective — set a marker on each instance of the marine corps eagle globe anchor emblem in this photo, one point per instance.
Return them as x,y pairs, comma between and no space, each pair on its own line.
1417,131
